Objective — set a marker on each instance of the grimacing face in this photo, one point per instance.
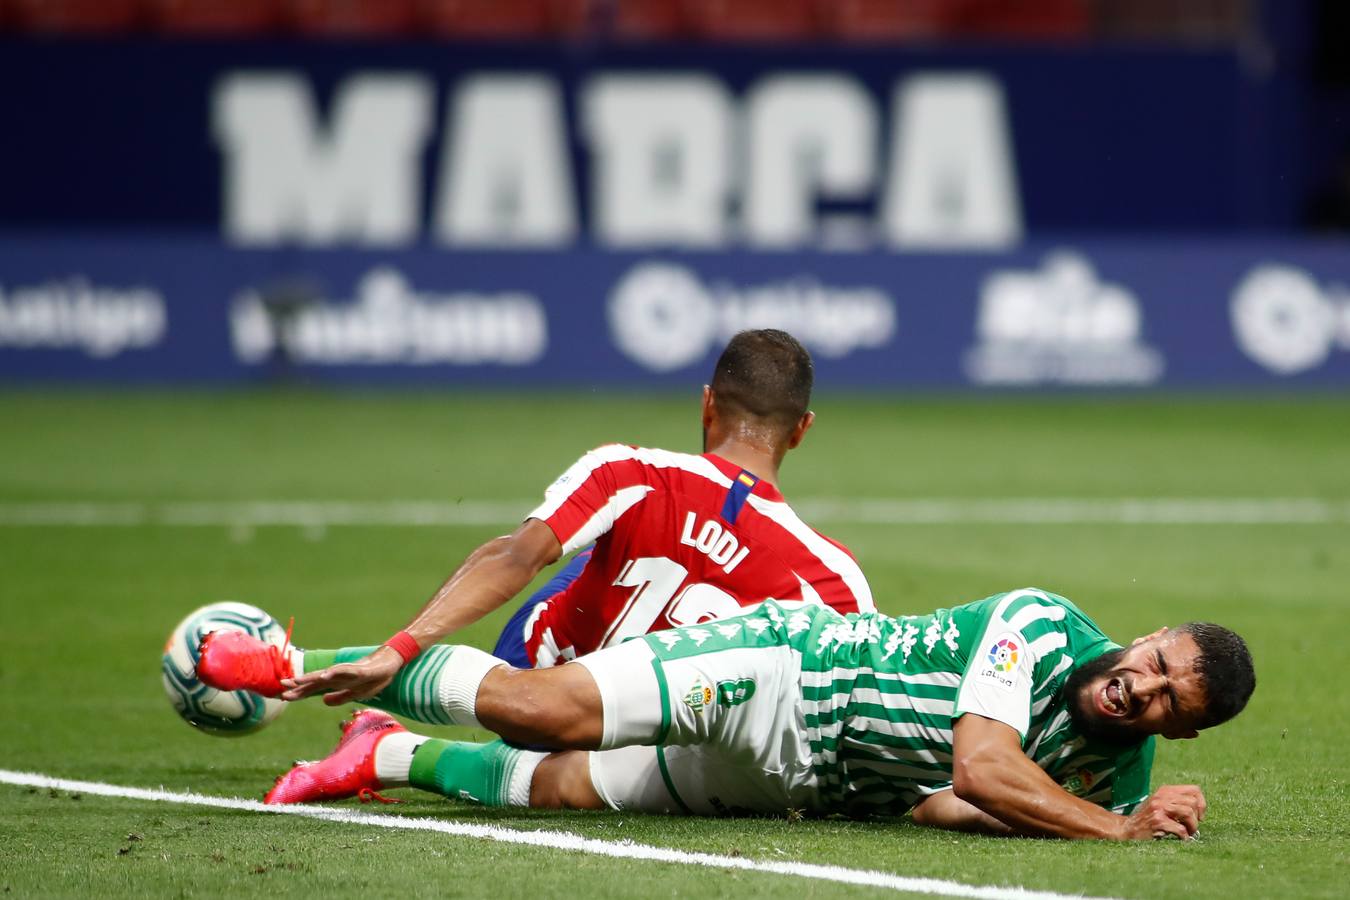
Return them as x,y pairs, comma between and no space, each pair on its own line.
1149,687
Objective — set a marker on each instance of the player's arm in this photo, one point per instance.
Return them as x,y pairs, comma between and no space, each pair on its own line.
991,773
947,811
491,575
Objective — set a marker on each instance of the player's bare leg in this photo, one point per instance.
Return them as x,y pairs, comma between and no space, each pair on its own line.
558,707
563,781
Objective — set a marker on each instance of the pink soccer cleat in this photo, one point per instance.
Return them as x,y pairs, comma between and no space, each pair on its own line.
235,661
349,771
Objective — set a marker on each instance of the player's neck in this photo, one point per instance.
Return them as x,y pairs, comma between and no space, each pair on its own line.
755,459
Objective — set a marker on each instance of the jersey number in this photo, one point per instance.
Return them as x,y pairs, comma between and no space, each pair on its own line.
661,589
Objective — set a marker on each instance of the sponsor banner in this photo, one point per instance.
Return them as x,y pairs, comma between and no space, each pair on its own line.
719,148
1097,314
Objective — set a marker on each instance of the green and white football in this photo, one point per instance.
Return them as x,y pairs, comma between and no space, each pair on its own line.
227,713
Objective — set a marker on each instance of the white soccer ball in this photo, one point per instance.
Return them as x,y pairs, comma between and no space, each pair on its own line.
227,713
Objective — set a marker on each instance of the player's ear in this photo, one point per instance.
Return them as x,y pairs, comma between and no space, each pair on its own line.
1187,735
1148,637
709,406
799,430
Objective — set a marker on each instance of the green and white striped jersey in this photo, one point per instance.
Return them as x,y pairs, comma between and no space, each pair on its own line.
880,694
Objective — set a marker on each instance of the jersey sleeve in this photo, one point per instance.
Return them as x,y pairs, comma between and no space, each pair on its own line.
586,500
1016,651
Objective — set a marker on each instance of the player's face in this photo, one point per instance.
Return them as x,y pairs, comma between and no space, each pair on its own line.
1150,687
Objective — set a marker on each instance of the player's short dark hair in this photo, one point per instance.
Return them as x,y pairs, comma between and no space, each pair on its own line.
764,375
1225,667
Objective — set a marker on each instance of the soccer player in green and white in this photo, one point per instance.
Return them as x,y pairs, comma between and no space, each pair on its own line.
1013,714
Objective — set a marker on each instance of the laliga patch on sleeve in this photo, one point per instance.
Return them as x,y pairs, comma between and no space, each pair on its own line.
1000,661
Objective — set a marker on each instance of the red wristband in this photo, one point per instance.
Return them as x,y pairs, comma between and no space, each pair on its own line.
404,646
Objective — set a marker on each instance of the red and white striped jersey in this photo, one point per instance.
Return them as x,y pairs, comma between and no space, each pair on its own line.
679,539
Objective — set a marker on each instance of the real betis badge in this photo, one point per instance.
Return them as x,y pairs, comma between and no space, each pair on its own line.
699,696
731,693
1079,783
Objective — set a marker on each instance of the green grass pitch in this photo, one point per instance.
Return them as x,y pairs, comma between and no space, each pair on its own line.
85,610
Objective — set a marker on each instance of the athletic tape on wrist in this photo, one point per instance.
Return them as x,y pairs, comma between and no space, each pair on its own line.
405,646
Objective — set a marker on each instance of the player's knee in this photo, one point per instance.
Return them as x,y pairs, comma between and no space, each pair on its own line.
555,707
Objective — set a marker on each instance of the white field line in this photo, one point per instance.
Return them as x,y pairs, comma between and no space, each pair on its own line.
554,840
822,510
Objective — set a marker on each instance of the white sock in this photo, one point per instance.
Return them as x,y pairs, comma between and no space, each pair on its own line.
393,757
458,679
518,791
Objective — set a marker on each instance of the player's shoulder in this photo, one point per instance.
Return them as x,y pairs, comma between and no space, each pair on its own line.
1029,606
1049,621
1033,599
652,456
838,544
631,464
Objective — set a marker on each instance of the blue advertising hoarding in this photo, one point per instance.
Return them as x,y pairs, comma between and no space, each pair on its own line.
1132,314
414,212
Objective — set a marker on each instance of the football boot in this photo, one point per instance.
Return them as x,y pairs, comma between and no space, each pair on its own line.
235,661
349,771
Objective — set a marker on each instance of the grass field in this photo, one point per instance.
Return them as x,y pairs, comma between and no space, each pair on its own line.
85,609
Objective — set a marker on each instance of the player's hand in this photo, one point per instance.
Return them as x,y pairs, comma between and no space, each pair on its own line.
346,681
1173,810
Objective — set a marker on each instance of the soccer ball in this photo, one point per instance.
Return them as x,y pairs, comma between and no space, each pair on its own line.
227,713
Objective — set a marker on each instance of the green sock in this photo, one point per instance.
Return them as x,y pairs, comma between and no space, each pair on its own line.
493,774
416,692
314,660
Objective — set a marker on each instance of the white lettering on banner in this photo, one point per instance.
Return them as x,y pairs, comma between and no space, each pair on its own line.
75,314
953,182
809,135
286,177
1285,321
661,146
392,324
674,161
664,317
1060,325
505,175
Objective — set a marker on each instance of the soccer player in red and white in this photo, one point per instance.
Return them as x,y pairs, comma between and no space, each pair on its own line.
678,539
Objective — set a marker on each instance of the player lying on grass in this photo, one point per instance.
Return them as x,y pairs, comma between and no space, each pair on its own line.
678,539
1013,714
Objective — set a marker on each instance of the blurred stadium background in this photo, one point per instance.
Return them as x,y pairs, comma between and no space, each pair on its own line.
300,300
930,193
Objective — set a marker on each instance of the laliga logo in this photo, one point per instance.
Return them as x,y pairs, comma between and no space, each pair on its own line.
1003,656
1285,321
76,314
664,317
1000,668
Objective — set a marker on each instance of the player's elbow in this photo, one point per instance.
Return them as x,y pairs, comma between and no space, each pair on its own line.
530,547
974,778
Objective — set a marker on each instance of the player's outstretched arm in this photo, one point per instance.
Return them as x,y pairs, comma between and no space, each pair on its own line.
947,811
490,576
990,772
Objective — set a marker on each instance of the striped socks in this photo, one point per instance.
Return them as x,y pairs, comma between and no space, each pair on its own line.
438,687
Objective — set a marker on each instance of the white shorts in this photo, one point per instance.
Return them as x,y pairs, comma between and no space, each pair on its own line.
724,731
